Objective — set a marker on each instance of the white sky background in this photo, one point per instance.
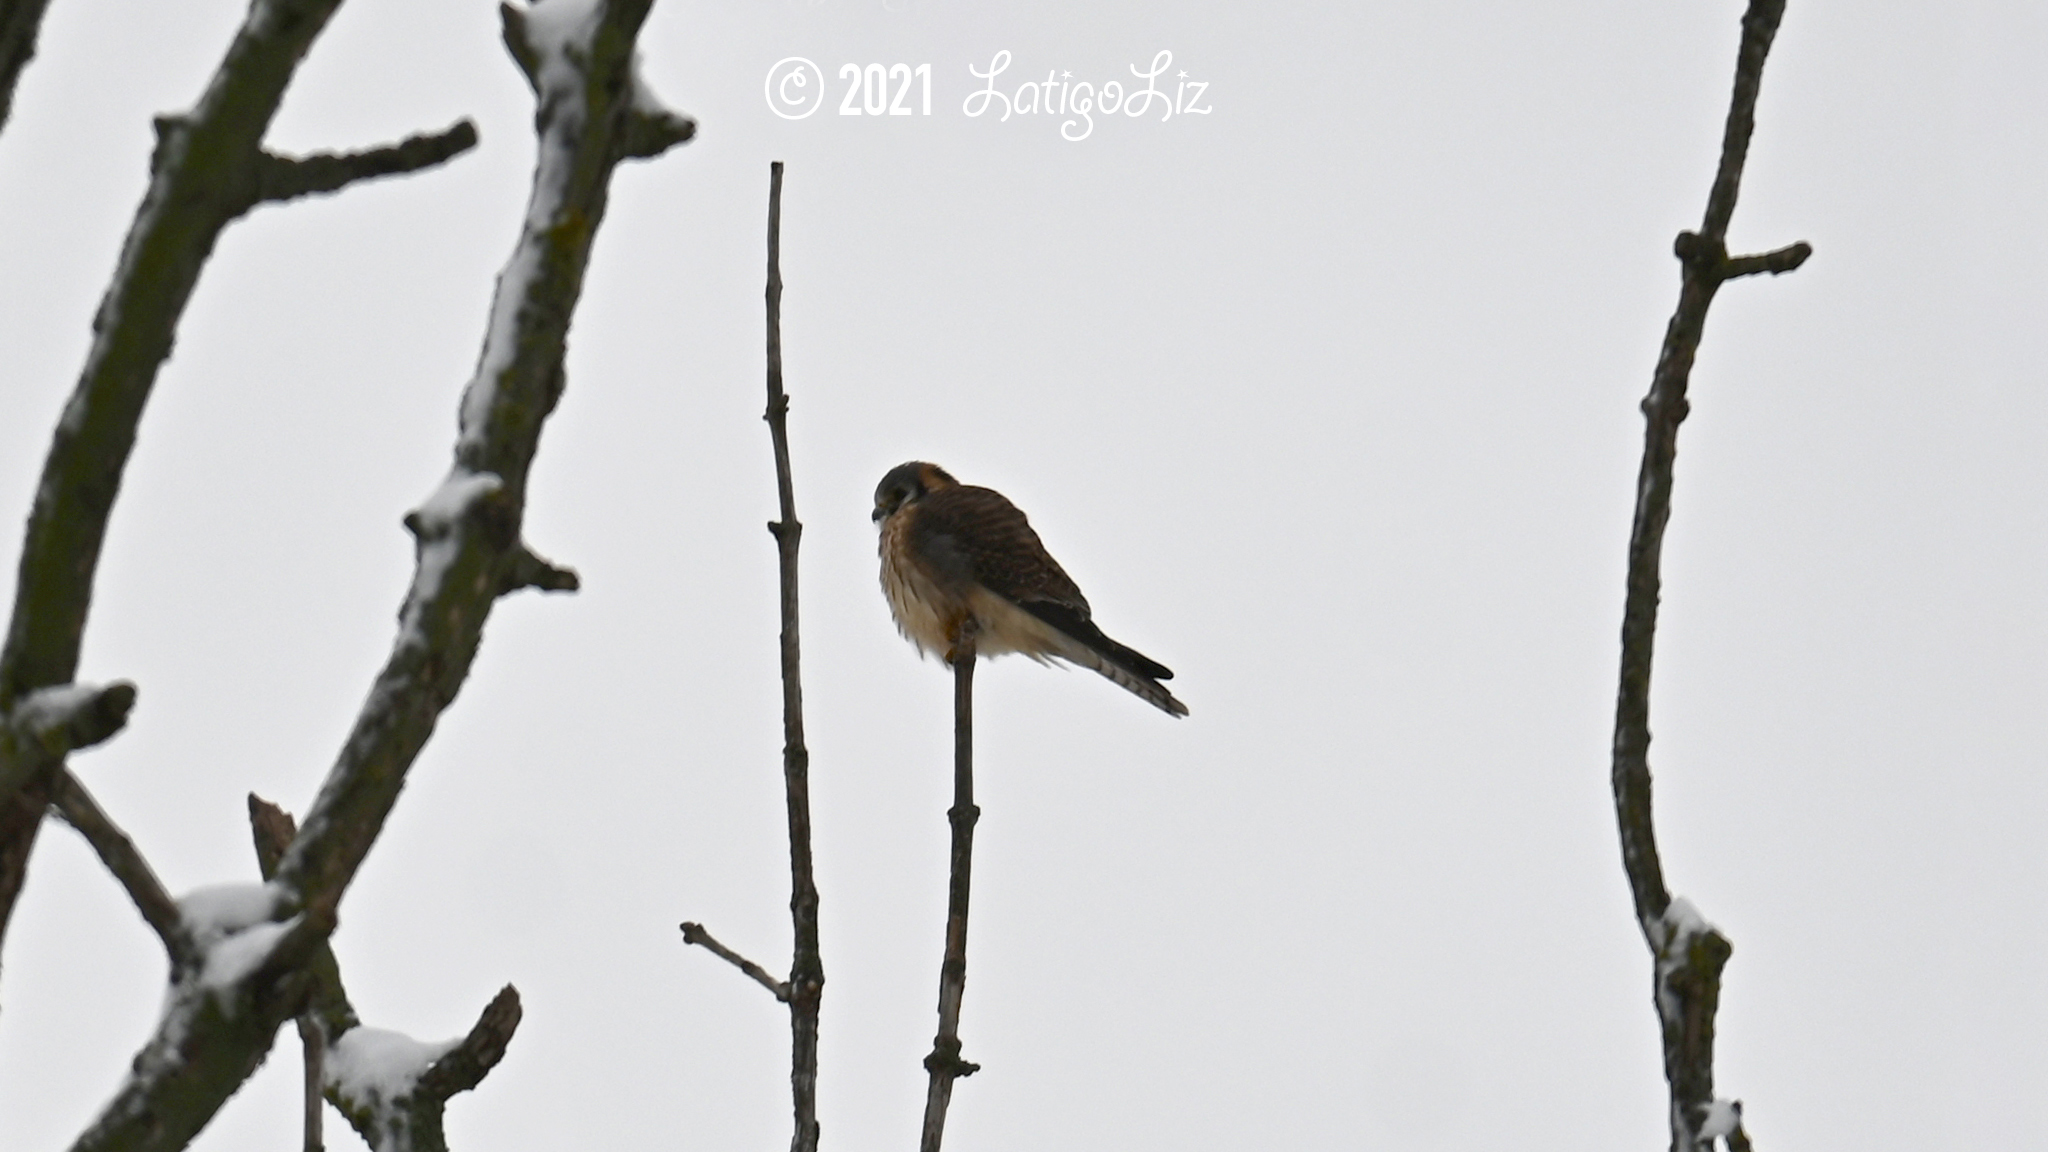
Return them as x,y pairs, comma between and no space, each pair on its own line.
1328,400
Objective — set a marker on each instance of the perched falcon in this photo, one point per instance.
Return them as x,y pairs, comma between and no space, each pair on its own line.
952,552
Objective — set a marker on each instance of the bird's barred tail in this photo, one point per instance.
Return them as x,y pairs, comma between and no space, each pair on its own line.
1129,668
1151,690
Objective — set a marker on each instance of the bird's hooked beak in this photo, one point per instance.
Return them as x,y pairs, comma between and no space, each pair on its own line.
878,515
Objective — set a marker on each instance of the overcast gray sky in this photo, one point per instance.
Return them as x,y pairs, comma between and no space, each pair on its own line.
1326,397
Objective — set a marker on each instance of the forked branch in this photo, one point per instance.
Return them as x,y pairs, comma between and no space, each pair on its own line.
392,1089
805,989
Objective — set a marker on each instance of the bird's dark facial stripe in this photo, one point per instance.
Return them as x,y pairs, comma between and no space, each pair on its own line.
904,484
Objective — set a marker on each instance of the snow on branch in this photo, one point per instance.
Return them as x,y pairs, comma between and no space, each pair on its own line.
49,723
394,1089
391,1088
208,168
467,531
222,1018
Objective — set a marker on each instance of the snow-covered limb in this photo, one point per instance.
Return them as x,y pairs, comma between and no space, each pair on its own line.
1674,938
579,55
48,723
220,1017
548,39
208,168
1723,1117
223,1015
393,1089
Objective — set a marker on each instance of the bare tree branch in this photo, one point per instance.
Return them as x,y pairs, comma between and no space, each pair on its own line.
20,20
694,933
944,1063
1688,954
806,987
119,854
804,991
220,1021
286,177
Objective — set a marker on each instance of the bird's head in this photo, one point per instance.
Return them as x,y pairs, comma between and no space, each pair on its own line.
906,484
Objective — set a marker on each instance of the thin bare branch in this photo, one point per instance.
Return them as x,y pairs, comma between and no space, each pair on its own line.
1688,953
694,933
806,988
328,1011
313,1049
944,1063
1777,262
288,177
119,854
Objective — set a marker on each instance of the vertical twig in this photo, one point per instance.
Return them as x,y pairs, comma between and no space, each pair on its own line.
272,829
1688,953
806,986
315,1047
944,1063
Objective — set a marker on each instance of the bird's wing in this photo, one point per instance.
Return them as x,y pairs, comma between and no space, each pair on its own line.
969,535
975,534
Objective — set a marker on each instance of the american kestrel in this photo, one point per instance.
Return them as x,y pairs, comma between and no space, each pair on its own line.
952,553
